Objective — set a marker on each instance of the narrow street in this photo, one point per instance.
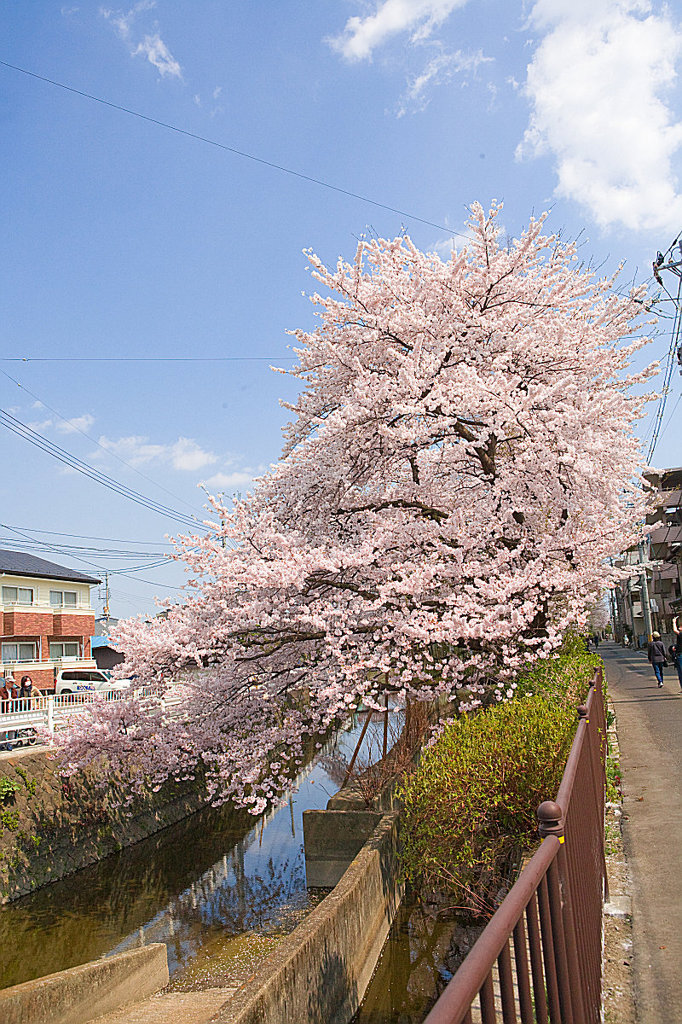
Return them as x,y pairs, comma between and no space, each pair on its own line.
649,725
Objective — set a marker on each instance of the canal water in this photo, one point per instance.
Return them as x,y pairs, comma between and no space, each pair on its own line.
419,958
220,889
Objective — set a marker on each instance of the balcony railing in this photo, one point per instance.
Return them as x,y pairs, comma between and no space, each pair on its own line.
44,606
29,718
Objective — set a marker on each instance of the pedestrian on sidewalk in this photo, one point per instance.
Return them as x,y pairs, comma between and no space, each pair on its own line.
677,645
656,655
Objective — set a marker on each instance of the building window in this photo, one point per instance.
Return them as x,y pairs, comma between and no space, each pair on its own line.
17,595
18,652
63,598
63,650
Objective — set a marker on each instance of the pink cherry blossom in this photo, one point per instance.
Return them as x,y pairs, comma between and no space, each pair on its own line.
459,466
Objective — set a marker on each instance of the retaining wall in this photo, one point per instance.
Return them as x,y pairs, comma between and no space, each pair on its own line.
82,993
50,827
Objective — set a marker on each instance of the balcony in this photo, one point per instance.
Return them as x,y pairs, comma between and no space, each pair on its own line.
45,606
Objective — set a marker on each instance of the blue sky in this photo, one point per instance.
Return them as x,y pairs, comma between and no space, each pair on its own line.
126,239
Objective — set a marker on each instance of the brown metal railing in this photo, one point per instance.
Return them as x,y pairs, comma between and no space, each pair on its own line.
539,959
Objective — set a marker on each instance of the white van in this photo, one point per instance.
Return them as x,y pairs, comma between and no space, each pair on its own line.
85,680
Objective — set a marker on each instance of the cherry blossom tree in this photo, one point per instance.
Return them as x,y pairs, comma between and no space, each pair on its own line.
599,616
458,467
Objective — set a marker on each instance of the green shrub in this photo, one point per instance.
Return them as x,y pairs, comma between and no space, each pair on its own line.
565,676
8,789
470,807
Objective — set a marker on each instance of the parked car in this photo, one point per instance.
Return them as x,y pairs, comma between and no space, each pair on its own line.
85,680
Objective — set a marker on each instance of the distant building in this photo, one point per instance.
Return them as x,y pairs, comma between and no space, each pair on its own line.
47,621
104,652
104,625
662,564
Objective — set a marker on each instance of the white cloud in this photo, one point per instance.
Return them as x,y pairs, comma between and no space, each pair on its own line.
598,84
221,482
186,454
40,426
123,23
77,424
361,36
438,71
158,54
151,46
183,454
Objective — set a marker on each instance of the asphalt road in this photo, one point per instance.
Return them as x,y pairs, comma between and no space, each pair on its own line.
649,722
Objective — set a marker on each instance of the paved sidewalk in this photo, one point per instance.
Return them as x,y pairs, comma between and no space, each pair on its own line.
649,733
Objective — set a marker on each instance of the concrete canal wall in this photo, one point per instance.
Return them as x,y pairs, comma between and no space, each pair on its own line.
51,827
82,993
319,973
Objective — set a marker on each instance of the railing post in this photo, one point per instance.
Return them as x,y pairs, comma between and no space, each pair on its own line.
570,926
550,824
50,714
597,768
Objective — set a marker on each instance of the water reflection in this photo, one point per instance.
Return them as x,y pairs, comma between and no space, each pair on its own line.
212,878
420,956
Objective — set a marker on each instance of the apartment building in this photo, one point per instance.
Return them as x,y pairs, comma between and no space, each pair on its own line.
661,561
46,617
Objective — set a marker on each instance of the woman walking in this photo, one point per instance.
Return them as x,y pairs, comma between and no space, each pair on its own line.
656,655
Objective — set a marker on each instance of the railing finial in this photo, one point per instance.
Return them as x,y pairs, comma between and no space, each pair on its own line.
582,711
549,820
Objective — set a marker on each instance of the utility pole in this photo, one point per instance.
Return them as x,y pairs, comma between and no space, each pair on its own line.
105,610
613,614
672,262
222,521
646,605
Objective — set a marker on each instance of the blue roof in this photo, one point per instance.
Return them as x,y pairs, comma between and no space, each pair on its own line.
101,641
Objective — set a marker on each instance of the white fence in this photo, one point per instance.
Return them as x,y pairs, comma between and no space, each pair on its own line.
23,718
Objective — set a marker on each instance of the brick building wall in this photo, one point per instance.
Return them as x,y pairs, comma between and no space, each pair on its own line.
43,627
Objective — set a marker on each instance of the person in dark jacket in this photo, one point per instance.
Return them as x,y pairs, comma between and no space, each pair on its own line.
28,689
9,691
677,646
656,655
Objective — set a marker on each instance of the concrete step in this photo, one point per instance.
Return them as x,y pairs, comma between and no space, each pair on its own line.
171,1008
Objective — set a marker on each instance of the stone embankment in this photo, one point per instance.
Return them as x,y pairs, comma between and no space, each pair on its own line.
51,827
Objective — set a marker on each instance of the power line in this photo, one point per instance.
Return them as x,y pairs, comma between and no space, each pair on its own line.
62,455
112,572
93,440
669,420
142,358
38,545
86,536
230,149
674,349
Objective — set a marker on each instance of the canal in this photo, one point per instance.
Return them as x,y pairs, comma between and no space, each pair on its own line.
220,889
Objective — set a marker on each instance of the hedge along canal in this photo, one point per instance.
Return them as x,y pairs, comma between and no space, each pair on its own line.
219,888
